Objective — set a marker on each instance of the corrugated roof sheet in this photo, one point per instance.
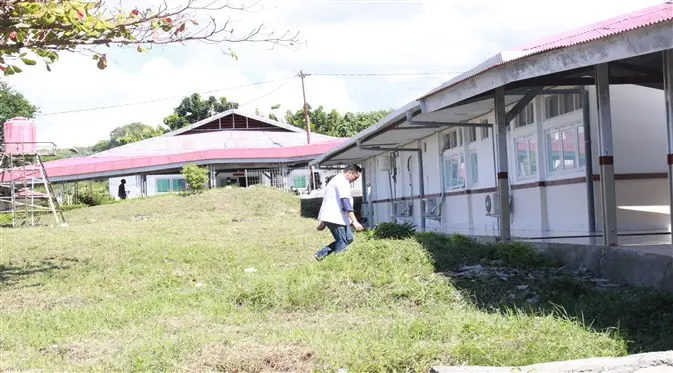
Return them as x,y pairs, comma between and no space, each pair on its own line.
612,26
94,165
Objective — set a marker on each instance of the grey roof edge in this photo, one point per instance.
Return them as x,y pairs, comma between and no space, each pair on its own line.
372,130
170,166
236,112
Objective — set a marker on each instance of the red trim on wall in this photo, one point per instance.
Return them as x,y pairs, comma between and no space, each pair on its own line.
535,184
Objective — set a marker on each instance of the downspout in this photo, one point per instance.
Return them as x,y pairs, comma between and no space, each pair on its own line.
441,171
365,200
588,161
420,167
495,172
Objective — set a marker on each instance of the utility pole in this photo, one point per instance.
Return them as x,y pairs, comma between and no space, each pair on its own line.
308,126
303,91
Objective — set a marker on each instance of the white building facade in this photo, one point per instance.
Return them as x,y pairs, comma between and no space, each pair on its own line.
547,163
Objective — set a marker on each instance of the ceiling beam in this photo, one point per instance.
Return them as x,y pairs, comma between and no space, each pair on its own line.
521,104
653,72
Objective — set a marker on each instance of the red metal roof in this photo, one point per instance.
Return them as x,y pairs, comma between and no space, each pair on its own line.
100,164
612,26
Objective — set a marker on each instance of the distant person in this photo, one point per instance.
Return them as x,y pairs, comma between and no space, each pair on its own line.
337,212
121,192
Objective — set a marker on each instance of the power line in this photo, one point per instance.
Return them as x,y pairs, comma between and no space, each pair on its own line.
386,74
268,93
160,99
349,75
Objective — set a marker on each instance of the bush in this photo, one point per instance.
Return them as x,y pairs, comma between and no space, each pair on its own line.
195,177
393,231
98,198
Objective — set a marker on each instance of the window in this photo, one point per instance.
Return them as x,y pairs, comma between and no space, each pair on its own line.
453,140
299,182
484,130
454,171
560,104
471,134
525,117
565,149
178,185
169,185
526,157
580,145
474,167
163,185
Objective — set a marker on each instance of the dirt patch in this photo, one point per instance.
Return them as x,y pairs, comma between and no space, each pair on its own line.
222,357
83,352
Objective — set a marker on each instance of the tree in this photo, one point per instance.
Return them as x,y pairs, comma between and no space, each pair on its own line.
13,104
40,29
127,134
193,109
195,177
333,123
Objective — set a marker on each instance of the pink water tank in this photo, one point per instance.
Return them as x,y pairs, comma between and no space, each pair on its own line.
19,136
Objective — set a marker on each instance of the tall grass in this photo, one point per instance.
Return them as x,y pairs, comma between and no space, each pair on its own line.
160,284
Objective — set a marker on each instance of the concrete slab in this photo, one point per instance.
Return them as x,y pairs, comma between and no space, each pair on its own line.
643,265
653,362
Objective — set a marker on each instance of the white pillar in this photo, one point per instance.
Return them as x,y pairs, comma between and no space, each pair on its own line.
605,156
500,133
668,94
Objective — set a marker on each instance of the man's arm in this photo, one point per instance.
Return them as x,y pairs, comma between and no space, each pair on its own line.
346,206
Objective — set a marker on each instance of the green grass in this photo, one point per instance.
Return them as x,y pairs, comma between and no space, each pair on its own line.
159,284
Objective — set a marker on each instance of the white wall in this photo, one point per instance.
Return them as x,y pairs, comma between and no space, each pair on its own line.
132,186
559,207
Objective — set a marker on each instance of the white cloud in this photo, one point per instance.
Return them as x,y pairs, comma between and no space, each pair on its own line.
435,35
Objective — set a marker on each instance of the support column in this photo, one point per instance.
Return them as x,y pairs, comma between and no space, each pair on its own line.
143,185
668,94
212,181
500,133
605,157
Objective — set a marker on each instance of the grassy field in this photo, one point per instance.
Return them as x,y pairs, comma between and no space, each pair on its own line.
161,284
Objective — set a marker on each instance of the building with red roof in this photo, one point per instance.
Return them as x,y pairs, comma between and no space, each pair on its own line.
565,137
238,148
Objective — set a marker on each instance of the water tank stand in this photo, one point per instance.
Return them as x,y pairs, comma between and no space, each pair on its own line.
19,174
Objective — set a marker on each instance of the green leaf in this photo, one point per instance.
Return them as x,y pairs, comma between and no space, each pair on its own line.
28,62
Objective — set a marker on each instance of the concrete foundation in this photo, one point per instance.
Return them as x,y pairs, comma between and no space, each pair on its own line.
647,265
654,362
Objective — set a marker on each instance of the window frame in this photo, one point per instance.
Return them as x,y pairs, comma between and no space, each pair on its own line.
459,157
576,127
561,103
484,130
526,117
171,184
474,167
532,137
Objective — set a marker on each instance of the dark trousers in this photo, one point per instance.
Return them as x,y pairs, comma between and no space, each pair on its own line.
343,236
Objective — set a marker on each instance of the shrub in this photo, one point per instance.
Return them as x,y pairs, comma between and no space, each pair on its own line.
393,231
195,177
98,198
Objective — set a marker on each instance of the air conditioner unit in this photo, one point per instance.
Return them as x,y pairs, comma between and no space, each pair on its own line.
431,207
403,208
492,204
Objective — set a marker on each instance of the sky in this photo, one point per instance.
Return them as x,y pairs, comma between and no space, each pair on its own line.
436,38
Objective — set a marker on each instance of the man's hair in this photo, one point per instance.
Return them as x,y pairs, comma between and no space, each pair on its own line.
123,180
353,168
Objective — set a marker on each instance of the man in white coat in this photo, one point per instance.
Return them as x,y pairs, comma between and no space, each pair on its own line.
337,211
